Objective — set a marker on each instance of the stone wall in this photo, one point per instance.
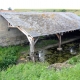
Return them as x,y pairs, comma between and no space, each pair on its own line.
11,37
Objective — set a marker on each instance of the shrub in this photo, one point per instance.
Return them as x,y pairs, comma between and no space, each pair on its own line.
63,10
8,56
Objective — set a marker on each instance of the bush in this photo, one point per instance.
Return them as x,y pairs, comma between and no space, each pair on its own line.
63,10
8,56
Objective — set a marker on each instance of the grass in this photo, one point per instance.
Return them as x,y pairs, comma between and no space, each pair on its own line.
39,71
35,71
74,60
9,55
70,73
76,11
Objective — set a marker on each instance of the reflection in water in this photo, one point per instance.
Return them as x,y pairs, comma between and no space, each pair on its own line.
73,52
53,56
41,56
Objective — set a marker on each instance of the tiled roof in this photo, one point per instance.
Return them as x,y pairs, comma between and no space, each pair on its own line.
43,23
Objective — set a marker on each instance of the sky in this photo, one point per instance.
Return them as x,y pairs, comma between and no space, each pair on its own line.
40,4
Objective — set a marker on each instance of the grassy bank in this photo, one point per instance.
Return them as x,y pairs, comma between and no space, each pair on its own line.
39,71
34,71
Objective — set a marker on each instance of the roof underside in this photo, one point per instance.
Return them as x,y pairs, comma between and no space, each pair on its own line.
45,23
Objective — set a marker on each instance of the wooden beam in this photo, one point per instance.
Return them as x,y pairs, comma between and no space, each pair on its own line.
36,40
23,31
59,37
32,55
30,39
59,40
54,45
32,43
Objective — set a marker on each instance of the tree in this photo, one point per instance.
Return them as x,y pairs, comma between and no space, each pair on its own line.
9,8
63,10
54,10
1,9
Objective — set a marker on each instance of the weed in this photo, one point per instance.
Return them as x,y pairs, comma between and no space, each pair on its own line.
9,55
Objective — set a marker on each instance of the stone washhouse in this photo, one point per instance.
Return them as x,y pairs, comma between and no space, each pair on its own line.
13,26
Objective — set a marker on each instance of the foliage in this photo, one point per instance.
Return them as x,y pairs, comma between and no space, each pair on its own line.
63,10
9,8
9,55
39,71
74,60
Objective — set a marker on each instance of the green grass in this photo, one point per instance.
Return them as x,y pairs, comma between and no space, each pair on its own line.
39,71
34,71
76,11
9,55
74,60
70,73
